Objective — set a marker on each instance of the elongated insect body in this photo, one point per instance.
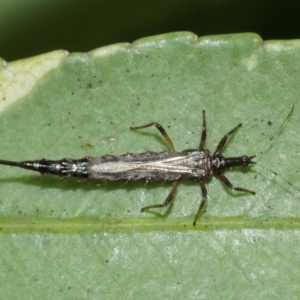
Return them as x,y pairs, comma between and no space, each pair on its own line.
192,164
150,166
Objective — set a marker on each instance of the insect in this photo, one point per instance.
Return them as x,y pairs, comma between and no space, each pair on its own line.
192,164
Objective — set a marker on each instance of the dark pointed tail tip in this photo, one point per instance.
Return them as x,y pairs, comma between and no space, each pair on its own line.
11,163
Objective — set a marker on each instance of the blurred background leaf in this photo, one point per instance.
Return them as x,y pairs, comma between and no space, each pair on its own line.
32,27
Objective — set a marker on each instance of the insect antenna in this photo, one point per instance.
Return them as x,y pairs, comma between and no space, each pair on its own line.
270,140
281,126
276,174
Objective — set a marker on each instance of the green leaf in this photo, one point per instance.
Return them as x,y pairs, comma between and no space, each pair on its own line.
64,239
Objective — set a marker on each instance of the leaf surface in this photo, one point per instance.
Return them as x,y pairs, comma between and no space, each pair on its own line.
65,239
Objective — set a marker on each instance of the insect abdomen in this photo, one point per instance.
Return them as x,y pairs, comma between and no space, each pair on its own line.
65,167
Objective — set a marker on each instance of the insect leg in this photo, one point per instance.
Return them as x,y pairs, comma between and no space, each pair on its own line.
229,184
167,201
225,137
161,130
203,135
203,201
